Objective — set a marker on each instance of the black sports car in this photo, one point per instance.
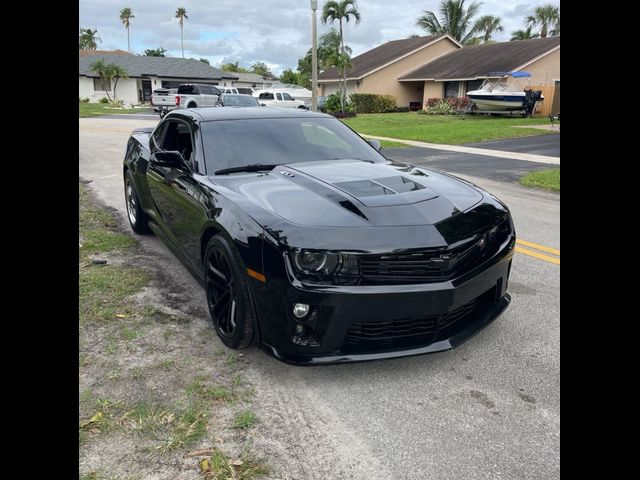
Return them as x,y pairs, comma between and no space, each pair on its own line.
313,245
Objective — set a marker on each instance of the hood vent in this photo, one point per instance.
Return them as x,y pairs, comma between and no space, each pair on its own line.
379,186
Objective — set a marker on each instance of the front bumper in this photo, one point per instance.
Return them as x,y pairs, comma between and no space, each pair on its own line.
359,323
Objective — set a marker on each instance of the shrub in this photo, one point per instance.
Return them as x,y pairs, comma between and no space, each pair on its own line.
333,104
402,109
445,106
85,100
104,100
372,103
116,104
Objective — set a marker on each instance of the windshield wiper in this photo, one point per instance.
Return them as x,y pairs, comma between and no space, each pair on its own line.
255,167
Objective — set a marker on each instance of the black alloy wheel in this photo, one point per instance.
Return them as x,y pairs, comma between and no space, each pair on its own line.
228,293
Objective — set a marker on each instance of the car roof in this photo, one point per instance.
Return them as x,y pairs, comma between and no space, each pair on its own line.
212,114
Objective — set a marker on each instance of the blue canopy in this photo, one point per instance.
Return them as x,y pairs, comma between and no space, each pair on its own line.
512,74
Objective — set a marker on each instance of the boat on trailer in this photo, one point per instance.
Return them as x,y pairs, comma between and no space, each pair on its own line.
500,92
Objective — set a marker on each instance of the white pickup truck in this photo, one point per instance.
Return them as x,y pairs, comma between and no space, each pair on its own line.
188,95
278,99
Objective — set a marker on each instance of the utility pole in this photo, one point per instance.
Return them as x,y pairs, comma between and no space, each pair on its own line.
314,57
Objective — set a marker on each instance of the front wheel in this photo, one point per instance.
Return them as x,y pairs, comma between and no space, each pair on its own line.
228,293
137,218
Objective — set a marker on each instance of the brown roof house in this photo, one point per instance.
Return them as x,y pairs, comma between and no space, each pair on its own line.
456,73
377,70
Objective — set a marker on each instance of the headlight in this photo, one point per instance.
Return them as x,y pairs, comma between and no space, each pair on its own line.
313,262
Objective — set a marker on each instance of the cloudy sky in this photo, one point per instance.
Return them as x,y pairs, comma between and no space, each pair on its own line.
276,32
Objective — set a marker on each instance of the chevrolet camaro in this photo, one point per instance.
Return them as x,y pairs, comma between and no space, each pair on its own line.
313,245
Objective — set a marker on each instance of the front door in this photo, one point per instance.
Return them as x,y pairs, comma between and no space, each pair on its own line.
146,90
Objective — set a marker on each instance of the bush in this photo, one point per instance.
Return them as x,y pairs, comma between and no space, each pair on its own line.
333,104
85,100
445,106
402,109
116,104
104,100
372,103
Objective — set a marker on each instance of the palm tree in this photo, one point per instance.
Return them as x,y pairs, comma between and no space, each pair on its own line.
547,17
181,13
116,71
88,39
104,71
126,14
487,26
455,20
523,34
341,10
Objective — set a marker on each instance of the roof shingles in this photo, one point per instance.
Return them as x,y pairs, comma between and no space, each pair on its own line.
477,61
167,67
379,56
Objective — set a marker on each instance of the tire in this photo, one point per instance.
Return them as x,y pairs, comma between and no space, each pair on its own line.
138,220
228,293
192,105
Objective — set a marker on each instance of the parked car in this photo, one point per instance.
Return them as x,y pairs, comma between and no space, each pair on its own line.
237,100
277,99
188,95
313,245
163,100
228,90
322,102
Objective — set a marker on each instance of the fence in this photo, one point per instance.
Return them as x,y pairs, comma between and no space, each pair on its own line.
551,103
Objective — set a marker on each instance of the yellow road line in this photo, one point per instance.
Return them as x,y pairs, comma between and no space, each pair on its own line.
538,247
540,256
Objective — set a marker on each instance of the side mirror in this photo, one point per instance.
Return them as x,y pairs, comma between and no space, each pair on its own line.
263,104
375,144
169,158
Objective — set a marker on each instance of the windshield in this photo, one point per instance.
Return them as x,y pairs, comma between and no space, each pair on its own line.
231,100
275,141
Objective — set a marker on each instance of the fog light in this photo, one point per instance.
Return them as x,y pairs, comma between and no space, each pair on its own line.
299,329
300,310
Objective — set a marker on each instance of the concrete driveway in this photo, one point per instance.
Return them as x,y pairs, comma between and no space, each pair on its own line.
486,410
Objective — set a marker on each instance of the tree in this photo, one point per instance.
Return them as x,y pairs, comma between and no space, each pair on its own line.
261,68
181,13
547,17
289,76
341,10
88,39
233,67
204,60
126,14
523,34
486,26
155,52
104,72
328,48
117,72
455,20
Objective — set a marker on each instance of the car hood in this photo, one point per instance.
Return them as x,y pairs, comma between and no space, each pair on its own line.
354,193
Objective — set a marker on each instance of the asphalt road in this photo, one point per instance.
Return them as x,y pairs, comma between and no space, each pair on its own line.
486,410
540,144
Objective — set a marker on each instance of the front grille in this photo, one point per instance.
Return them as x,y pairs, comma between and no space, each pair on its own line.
401,333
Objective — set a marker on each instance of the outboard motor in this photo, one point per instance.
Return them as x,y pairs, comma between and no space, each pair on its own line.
530,99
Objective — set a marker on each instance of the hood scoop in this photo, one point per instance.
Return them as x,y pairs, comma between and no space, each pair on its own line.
377,191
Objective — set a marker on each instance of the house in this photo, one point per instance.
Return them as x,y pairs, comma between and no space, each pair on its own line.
145,75
252,81
377,70
458,72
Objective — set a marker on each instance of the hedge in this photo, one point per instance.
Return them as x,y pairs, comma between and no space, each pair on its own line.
372,103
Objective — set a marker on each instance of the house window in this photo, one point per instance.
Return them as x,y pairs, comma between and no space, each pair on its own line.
451,89
473,85
99,85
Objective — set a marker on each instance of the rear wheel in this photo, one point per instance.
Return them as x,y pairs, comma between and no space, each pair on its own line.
192,105
137,218
228,293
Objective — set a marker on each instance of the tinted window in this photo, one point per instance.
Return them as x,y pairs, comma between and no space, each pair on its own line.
266,96
187,90
286,96
177,138
278,96
233,143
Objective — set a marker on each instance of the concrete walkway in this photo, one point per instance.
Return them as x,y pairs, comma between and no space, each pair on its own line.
529,157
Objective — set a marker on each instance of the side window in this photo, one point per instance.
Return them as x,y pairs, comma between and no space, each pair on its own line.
286,96
156,136
178,138
186,89
278,96
266,96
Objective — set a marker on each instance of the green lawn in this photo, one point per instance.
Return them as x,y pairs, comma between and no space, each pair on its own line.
547,179
97,109
447,129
